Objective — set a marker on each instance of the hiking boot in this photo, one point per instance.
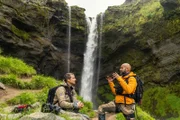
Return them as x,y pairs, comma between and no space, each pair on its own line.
101,116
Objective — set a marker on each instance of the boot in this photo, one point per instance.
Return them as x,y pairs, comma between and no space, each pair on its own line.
101,116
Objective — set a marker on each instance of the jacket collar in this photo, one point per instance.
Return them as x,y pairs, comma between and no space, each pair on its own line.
131,74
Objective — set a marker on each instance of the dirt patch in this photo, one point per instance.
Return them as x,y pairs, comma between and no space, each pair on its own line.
11,92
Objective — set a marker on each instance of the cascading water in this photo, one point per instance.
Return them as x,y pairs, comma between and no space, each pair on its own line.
89,61
69,40
99,51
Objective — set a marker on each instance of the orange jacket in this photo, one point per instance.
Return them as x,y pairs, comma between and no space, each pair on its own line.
127,88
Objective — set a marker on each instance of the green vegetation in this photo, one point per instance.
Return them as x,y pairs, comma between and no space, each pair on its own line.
22,34
140,115
87,109
15,66
24,98
40,81
12,80
104,92
37,82
161,102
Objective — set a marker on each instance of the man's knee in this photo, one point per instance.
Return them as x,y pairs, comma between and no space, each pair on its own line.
100,109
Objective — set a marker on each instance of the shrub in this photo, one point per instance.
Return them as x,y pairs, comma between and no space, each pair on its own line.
88,108
24,98
41,81
42,96
12,80
11,65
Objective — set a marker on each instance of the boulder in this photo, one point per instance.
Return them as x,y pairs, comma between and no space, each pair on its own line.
41,116
2,86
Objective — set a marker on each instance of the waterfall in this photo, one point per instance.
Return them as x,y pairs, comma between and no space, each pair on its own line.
69,40
89,61
99,47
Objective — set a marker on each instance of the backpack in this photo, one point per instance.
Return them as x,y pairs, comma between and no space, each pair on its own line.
49,106
137,96
51,94
139,91
52,91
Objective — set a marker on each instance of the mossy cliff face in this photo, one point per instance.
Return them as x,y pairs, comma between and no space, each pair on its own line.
37,32
146,34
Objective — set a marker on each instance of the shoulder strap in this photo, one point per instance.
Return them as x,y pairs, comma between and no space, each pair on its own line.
69,93
68,90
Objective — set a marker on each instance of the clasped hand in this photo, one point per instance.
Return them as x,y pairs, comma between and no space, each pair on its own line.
80,104
114,76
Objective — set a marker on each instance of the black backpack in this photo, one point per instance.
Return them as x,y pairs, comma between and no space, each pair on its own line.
49,106
51,94
137,96
52,91
139,91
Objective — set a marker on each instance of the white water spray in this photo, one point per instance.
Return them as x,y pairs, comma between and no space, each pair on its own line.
89,61
69,40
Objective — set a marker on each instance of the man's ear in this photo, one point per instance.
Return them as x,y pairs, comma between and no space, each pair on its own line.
68,80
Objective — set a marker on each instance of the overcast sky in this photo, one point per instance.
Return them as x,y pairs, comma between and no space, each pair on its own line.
94,7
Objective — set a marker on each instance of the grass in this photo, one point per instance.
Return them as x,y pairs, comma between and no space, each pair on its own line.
40,81
37,82
24,98
15,66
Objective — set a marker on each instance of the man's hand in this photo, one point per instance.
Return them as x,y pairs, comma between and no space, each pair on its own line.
109,79
115,75
80,104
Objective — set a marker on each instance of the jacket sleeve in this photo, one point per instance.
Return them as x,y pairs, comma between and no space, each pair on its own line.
111,84
62,98
130,87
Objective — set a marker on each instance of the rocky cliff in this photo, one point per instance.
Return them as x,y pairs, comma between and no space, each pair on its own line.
37,32
146,34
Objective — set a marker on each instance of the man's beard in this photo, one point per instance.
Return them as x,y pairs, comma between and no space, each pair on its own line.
123,73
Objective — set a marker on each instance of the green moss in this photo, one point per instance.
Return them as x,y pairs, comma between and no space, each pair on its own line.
22,34
2,20
161,102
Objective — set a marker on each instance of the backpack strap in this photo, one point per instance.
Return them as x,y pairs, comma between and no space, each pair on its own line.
68,90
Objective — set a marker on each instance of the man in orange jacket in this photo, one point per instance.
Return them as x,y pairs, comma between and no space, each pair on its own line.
122,103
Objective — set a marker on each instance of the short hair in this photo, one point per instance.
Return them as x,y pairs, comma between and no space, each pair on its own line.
67,76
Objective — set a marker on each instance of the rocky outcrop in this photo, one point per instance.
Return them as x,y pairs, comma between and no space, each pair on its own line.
146,38
36,32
